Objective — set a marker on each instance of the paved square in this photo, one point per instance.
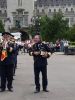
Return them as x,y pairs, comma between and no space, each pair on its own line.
61,79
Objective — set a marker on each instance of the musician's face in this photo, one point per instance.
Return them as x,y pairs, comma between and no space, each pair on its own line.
6,37
37,39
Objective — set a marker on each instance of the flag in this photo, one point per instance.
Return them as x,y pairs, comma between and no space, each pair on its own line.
4,55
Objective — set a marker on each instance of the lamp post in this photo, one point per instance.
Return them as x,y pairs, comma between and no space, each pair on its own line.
36,19
36,23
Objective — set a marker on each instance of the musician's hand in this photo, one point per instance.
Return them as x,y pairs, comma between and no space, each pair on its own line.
31,53
11,49
36,53
46,55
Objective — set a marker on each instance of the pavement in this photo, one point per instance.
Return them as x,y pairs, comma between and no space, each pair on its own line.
61,79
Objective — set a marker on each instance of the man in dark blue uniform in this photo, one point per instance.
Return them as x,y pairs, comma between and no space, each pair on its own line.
15,54
0,61
40,52
7,63
16,48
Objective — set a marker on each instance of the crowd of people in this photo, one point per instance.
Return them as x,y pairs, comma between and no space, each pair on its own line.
58,46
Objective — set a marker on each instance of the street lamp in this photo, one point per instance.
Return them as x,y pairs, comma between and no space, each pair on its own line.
36,23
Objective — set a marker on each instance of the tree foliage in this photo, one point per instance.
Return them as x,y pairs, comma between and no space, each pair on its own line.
70,34
1,27
53,28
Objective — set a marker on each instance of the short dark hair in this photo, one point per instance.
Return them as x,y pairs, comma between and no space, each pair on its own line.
6,33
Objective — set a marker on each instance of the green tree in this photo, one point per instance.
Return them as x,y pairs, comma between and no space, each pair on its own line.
45,28
1,27
70,34
60,25
53,28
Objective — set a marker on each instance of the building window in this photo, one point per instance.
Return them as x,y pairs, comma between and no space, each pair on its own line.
72,10
52,4
49,10
0,12
19,2
54,10
72,19
57,4
21,20
40,5
37,10
5,11
26,20
60,10
69,4
43,11
66,9
64,4
67,19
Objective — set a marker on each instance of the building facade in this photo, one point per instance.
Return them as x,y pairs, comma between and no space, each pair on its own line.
16,10
48,7
3,10
20,10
